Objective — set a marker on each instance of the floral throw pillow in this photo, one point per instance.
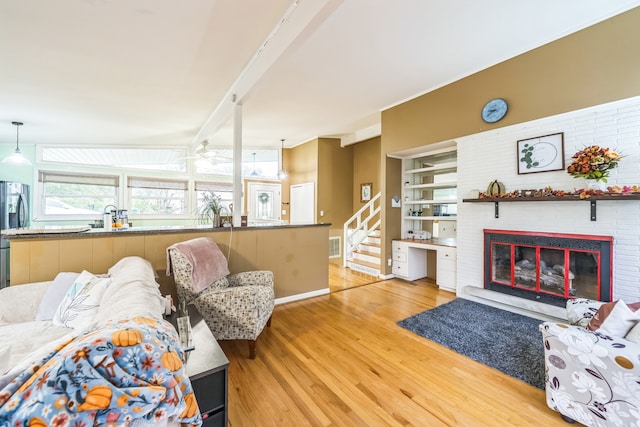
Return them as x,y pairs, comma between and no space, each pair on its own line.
79,306
55,294
580,311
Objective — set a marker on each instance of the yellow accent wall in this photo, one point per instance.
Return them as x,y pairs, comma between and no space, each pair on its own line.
596,65
335,182
366,168
339,173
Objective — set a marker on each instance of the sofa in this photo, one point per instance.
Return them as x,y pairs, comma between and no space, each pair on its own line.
88,349
593,363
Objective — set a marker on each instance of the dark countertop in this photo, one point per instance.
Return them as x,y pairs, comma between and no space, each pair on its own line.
62,233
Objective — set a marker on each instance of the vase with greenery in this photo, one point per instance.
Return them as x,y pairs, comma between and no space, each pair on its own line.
209,209
594,163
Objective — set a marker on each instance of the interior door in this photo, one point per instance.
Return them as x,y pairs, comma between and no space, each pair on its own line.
303,204
264,203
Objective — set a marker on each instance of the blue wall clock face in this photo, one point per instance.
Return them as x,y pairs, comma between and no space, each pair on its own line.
494,110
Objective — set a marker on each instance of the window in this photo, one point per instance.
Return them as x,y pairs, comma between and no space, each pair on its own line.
152,196
162,159
76,195
224,190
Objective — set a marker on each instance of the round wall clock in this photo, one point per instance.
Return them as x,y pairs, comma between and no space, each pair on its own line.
494,110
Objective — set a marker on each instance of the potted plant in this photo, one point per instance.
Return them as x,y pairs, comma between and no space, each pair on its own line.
209,209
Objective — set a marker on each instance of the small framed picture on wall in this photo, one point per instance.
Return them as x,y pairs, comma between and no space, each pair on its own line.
541,154
365,192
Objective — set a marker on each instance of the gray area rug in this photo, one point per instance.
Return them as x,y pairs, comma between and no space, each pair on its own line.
506,341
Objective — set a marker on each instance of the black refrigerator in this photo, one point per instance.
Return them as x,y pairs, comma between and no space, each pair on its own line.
14,213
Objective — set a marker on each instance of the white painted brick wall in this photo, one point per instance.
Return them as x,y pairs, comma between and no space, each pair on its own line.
485,157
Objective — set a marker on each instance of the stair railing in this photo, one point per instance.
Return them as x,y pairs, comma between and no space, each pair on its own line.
357,228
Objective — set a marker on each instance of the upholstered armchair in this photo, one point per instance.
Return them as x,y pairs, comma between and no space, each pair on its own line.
236,306
593,377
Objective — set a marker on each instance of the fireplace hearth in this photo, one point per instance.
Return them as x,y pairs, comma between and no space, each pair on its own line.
551,266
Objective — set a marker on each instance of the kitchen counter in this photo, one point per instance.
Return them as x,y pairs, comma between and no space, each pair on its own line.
60,232
49,229
297,254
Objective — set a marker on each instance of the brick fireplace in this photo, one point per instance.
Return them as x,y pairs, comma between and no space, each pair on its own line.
557,264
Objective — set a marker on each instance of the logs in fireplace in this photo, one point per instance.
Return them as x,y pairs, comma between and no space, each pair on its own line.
563,265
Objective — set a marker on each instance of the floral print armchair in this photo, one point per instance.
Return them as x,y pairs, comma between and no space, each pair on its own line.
591,377
238,306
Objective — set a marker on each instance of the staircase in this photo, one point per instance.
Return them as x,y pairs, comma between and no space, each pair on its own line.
362,239
365,258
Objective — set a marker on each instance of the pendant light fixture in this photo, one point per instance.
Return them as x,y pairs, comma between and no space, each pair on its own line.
282,174
254,172
17,158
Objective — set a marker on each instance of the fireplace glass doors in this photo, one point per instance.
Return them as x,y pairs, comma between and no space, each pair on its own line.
567,266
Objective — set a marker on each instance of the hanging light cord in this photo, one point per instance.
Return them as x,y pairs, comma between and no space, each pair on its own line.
17,125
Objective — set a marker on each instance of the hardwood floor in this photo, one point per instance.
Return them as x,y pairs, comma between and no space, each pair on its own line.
341,360
341,278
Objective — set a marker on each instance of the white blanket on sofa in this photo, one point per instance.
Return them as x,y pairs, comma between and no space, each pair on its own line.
132,292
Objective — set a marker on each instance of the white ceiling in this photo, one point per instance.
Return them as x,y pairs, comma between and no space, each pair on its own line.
164,72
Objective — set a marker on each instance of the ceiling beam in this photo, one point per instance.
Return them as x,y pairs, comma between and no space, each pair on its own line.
302,16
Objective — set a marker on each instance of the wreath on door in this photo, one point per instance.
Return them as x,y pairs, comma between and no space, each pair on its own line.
263,198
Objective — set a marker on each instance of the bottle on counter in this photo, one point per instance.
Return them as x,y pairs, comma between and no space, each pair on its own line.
108,221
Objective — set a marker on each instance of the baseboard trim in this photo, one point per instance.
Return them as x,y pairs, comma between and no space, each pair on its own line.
386,276
299,297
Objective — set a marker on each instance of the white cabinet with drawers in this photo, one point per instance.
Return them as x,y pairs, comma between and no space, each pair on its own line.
408,263
410,260
446,270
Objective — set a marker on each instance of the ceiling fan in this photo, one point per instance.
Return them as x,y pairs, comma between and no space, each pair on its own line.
213,157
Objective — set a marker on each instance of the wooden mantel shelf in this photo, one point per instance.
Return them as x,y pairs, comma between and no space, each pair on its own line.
566,198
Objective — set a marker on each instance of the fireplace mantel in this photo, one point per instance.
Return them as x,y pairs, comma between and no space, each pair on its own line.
567,198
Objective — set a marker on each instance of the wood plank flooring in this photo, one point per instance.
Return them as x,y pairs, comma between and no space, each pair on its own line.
341,278
341,360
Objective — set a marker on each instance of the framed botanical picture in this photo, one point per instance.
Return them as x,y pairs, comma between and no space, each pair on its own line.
365,192
541,154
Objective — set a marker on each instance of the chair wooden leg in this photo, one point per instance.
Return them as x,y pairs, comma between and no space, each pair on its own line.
252,349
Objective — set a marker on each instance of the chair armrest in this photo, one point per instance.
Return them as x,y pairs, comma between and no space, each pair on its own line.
582,342
20,303
591,377
259,277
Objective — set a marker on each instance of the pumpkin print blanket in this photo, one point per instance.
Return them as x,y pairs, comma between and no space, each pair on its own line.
119,372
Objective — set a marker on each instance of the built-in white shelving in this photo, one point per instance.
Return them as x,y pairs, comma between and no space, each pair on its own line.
429,193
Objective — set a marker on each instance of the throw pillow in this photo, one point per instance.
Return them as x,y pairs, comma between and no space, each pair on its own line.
581,310
80,305
55,294
615,318
634,334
